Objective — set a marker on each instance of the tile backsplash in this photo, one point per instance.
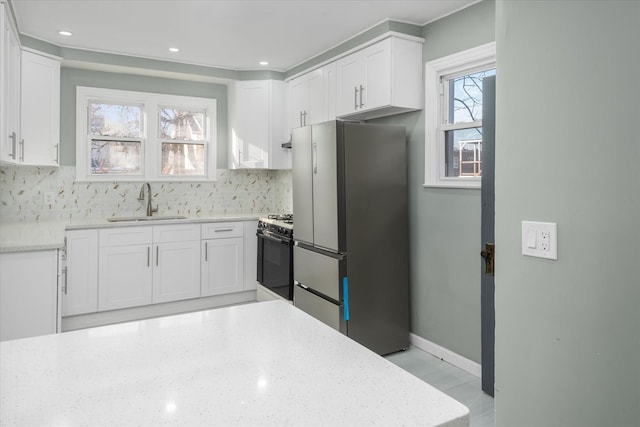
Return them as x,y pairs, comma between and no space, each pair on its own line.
24,191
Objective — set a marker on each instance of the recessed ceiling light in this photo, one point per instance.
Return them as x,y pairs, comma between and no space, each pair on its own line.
264,62
174,49
64,33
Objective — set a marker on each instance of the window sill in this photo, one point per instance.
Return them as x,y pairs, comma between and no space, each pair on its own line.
476,185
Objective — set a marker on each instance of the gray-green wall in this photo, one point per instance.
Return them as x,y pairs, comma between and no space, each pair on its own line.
568,151
70,78
444,223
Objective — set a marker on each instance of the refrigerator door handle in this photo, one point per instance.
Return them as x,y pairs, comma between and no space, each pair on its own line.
315,158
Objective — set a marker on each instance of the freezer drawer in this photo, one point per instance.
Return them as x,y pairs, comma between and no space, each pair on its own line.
318,271
320,308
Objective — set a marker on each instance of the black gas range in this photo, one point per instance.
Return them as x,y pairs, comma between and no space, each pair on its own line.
275,254
280,225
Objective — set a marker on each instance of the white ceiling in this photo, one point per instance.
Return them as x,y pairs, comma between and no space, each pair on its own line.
234,34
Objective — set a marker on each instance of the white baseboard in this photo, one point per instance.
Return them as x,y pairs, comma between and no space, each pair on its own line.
448,356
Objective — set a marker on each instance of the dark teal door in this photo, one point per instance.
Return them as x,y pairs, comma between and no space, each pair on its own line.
487,292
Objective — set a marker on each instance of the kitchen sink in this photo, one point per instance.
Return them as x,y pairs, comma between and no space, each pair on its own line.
144,218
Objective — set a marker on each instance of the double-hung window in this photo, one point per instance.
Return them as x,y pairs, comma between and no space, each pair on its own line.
116,138
137,136
182,134
453,117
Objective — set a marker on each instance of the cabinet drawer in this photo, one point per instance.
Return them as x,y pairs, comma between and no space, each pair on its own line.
317,271
125,236
176,233
323,310
221,230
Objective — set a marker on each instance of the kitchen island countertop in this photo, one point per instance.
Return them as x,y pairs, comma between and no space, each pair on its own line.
266,364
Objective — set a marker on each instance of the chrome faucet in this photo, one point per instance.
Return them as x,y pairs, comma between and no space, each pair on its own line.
150,210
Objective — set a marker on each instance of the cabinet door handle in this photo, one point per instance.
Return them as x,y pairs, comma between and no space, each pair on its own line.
222,230
66,284
157,255
56,160
361,90
22,150
148,256
301,119
206,251
304,115
13,145
355,97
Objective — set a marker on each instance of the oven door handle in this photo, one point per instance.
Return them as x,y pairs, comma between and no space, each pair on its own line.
273,238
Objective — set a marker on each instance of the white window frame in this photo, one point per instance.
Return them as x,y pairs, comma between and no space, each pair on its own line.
151,141
481,57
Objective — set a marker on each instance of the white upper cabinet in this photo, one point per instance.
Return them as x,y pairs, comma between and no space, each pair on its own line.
40,110
257,125
312,97
9,89
330,91
30,101
380,80
306,99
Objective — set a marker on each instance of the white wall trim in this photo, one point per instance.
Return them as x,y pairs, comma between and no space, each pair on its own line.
448,356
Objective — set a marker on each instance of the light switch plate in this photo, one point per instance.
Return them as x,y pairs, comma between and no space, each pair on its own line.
540,239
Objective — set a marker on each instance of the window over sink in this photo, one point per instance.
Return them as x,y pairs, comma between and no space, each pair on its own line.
137,136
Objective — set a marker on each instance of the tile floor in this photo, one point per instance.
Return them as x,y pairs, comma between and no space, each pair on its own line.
459,384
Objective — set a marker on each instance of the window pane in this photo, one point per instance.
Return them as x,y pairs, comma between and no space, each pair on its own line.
118,120
463,154
180,124
183,159
465,97
115,157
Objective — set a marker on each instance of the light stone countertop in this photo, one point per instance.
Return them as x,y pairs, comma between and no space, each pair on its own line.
34,236
261,364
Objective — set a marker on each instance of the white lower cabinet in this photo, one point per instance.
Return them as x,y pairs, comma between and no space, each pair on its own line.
28,294
80,287
124,271
176,271
148,265
133,266
250,260
222,266
125,276
222,258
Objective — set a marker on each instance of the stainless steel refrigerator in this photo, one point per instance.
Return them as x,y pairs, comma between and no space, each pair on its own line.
351,232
